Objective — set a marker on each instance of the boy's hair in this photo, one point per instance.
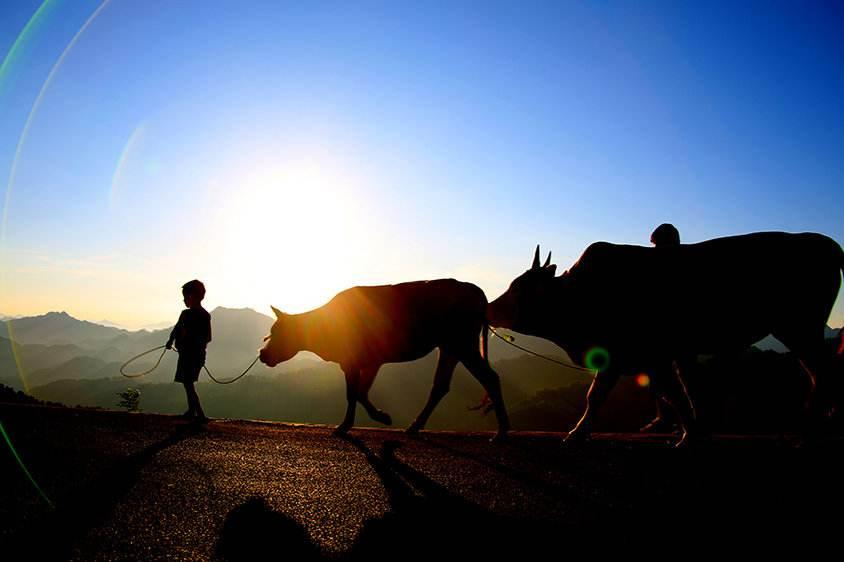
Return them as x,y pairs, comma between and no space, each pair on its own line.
194,287
665,235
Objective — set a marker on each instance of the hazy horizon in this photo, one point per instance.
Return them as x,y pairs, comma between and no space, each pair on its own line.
283,152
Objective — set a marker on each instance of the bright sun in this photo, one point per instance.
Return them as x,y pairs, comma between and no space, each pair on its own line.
291,233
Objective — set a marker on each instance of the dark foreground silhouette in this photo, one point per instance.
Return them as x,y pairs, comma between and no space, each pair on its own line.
139,487
617,310
363,328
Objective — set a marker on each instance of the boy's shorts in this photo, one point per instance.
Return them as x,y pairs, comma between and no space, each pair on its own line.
188,367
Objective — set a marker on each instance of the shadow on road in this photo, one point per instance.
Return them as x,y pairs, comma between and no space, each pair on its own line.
84,509
254,531
429,521
425,520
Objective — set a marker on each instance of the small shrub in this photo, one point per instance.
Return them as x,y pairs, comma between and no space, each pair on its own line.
130,399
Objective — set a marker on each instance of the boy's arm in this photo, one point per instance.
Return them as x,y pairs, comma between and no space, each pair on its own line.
209,330
169,344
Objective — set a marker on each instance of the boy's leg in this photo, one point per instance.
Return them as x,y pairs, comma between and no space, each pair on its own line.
190,392
193,401
189,412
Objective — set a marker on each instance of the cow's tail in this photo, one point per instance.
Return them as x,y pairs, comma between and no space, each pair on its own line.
485,341
485,405
841,259
841,331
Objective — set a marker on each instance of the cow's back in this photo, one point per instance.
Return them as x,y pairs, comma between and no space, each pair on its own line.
408,320
721,290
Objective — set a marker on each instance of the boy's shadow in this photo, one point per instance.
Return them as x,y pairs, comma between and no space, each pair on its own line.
254,531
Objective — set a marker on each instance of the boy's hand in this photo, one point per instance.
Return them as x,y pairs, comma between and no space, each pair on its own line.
169,345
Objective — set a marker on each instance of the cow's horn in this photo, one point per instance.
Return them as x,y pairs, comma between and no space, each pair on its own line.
548,261
278,313
535,259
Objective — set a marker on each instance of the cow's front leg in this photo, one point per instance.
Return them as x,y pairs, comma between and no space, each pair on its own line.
367,377
598,391
352,376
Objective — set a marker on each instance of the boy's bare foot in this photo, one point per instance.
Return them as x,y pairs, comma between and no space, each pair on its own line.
201,420
187,415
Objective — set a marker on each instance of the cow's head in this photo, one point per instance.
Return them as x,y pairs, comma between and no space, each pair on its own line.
521,307
282,343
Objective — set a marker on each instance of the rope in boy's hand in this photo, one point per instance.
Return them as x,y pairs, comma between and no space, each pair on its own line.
154,367
164,350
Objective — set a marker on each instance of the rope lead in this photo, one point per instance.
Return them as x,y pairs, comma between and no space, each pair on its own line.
154,367
511,340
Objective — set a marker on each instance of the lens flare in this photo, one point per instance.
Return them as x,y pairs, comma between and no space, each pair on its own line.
35,106
23,466
643,380
23,39
597,359
117,179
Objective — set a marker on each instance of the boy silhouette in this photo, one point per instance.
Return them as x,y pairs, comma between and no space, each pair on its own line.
665,235
191,333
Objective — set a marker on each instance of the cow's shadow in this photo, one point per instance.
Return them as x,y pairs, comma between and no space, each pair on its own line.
427,520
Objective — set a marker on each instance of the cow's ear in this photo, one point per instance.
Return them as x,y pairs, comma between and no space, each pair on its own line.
278,313
552,269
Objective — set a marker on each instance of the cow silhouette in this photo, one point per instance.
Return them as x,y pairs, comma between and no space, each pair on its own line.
631,309
363,328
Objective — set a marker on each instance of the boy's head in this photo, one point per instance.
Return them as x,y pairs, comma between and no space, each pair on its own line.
665,235
193,292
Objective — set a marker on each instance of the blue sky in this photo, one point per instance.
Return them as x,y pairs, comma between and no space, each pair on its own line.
284,151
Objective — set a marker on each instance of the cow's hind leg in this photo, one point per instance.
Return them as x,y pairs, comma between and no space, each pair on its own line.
817,362
660,423
367,377
667,381
352,376
442,383
664,420
598,391
480,369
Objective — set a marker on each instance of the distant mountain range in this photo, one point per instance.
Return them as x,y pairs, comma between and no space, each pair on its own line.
57,346
59,358
773,344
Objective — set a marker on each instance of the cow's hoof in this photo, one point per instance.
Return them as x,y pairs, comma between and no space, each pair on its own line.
691,440
413,429
342,430
577,437
499,437
382,417
658,425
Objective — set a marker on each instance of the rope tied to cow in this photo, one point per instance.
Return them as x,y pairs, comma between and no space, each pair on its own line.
486,405
512,341
160,357
235,378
